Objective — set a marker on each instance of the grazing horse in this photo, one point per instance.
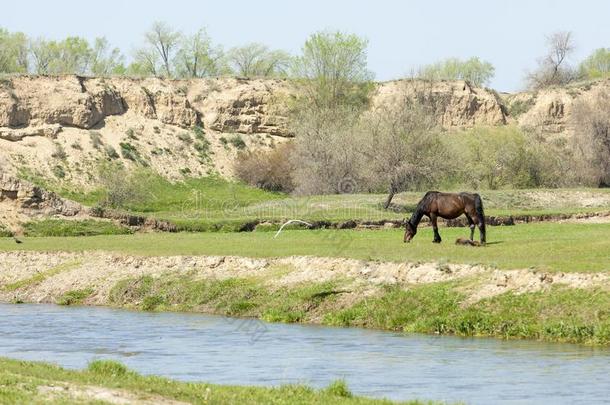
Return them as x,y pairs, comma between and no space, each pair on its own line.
448,206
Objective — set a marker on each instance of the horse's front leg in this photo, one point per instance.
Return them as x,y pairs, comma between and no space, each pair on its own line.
437,236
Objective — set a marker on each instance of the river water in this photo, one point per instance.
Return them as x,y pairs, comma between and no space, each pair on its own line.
249,352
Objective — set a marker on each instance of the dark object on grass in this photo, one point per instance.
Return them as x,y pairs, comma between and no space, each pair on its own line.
467,242
17,240
448,206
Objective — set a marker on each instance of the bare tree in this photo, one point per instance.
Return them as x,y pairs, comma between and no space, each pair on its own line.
404,145
164,40
592,137
553,68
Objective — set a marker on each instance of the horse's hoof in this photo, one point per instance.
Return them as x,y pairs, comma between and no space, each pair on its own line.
436,241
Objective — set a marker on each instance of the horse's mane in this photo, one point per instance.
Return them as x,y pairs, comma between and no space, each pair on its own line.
422,208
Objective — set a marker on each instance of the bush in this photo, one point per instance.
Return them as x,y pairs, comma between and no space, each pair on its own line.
96,139
128,151
121,188
185,137
59,152
474,70
111,152
269,170
237,142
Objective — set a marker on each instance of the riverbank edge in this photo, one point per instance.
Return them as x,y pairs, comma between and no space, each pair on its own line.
427,298
104,380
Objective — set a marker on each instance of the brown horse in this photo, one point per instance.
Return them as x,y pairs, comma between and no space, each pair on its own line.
448,206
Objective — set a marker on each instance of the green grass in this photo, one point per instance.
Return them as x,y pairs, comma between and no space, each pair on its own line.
545,246
87,227
39,277
212,203
561,314
74,297
20,382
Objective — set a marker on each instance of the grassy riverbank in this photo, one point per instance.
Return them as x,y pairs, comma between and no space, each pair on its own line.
109,381
558,314
562,247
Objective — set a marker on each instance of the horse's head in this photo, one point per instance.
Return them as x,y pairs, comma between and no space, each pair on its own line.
410,232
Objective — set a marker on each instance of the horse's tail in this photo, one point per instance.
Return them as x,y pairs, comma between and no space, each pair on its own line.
478,206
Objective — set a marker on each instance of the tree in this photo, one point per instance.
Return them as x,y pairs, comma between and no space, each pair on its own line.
404,149
44,53
198,58
145,63
164,40
104,60
597,65
591,120
255,59
333,69
13,52
553,68
474,70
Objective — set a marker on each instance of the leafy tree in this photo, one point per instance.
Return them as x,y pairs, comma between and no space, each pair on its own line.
597,65
145,63
13,52
474,70
44,53
255,59
197,57
333,69
104,60
164,41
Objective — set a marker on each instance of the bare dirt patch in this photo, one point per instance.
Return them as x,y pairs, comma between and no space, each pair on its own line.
107,395
99,271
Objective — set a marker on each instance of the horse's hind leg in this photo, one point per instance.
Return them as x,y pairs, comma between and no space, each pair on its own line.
470,225
437,236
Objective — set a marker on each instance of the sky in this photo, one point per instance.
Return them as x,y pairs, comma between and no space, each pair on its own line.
403,35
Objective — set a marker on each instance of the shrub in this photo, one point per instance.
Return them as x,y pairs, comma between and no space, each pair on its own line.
96,139
269,170
128,151
131,134
58,171
237,142
59,152
185,137
121,187
111,152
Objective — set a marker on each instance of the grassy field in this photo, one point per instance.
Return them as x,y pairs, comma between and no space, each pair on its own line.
198,204
545,246
32,382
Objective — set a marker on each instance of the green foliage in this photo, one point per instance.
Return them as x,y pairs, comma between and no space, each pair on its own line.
58,171
257,60
519,107
502,157
198,57
237,141
13,52
129,151
474,70
111,152
333,69
562,314
131,134
74,297
339,388
108,368
597,65
60,227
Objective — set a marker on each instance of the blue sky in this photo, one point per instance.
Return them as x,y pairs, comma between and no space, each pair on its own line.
402,34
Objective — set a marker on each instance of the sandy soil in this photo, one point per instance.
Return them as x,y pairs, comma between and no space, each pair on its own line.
106,395
58,273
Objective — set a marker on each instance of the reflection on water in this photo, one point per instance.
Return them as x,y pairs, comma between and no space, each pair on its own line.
223,350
